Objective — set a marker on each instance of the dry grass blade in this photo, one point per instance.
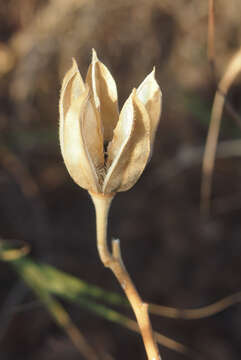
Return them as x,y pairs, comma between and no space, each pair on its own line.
234,67
191,314
62,318
35,281
14,250
11,250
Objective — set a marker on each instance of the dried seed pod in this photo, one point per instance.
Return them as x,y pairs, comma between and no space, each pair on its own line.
89,119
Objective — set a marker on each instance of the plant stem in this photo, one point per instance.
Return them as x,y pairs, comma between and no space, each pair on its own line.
114,262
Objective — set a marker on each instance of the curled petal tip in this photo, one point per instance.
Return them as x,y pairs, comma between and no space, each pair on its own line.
133,93
74,64
152,74
74,61
94,56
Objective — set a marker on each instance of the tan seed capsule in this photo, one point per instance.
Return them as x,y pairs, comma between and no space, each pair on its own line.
104,151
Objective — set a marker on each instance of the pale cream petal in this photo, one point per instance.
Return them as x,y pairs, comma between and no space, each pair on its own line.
149,93
93,137
130,148
72,87
104,92
75,152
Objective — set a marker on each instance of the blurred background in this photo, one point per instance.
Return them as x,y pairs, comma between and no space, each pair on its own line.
175,256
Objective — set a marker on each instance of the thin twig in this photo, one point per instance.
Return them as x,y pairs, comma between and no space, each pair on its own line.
115,263
211,27
166,341
200,313
220,101
211,58
234,67
114,316
233,113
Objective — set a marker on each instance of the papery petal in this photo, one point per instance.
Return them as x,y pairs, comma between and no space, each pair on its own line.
104,91
129,150
75,152
72,87
149,93
92,135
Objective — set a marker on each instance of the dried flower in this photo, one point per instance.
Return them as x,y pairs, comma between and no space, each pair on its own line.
103,151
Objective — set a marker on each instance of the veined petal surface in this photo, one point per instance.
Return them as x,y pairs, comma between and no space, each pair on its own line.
104,92
92,135
72,88
150,95
129,150
75,152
